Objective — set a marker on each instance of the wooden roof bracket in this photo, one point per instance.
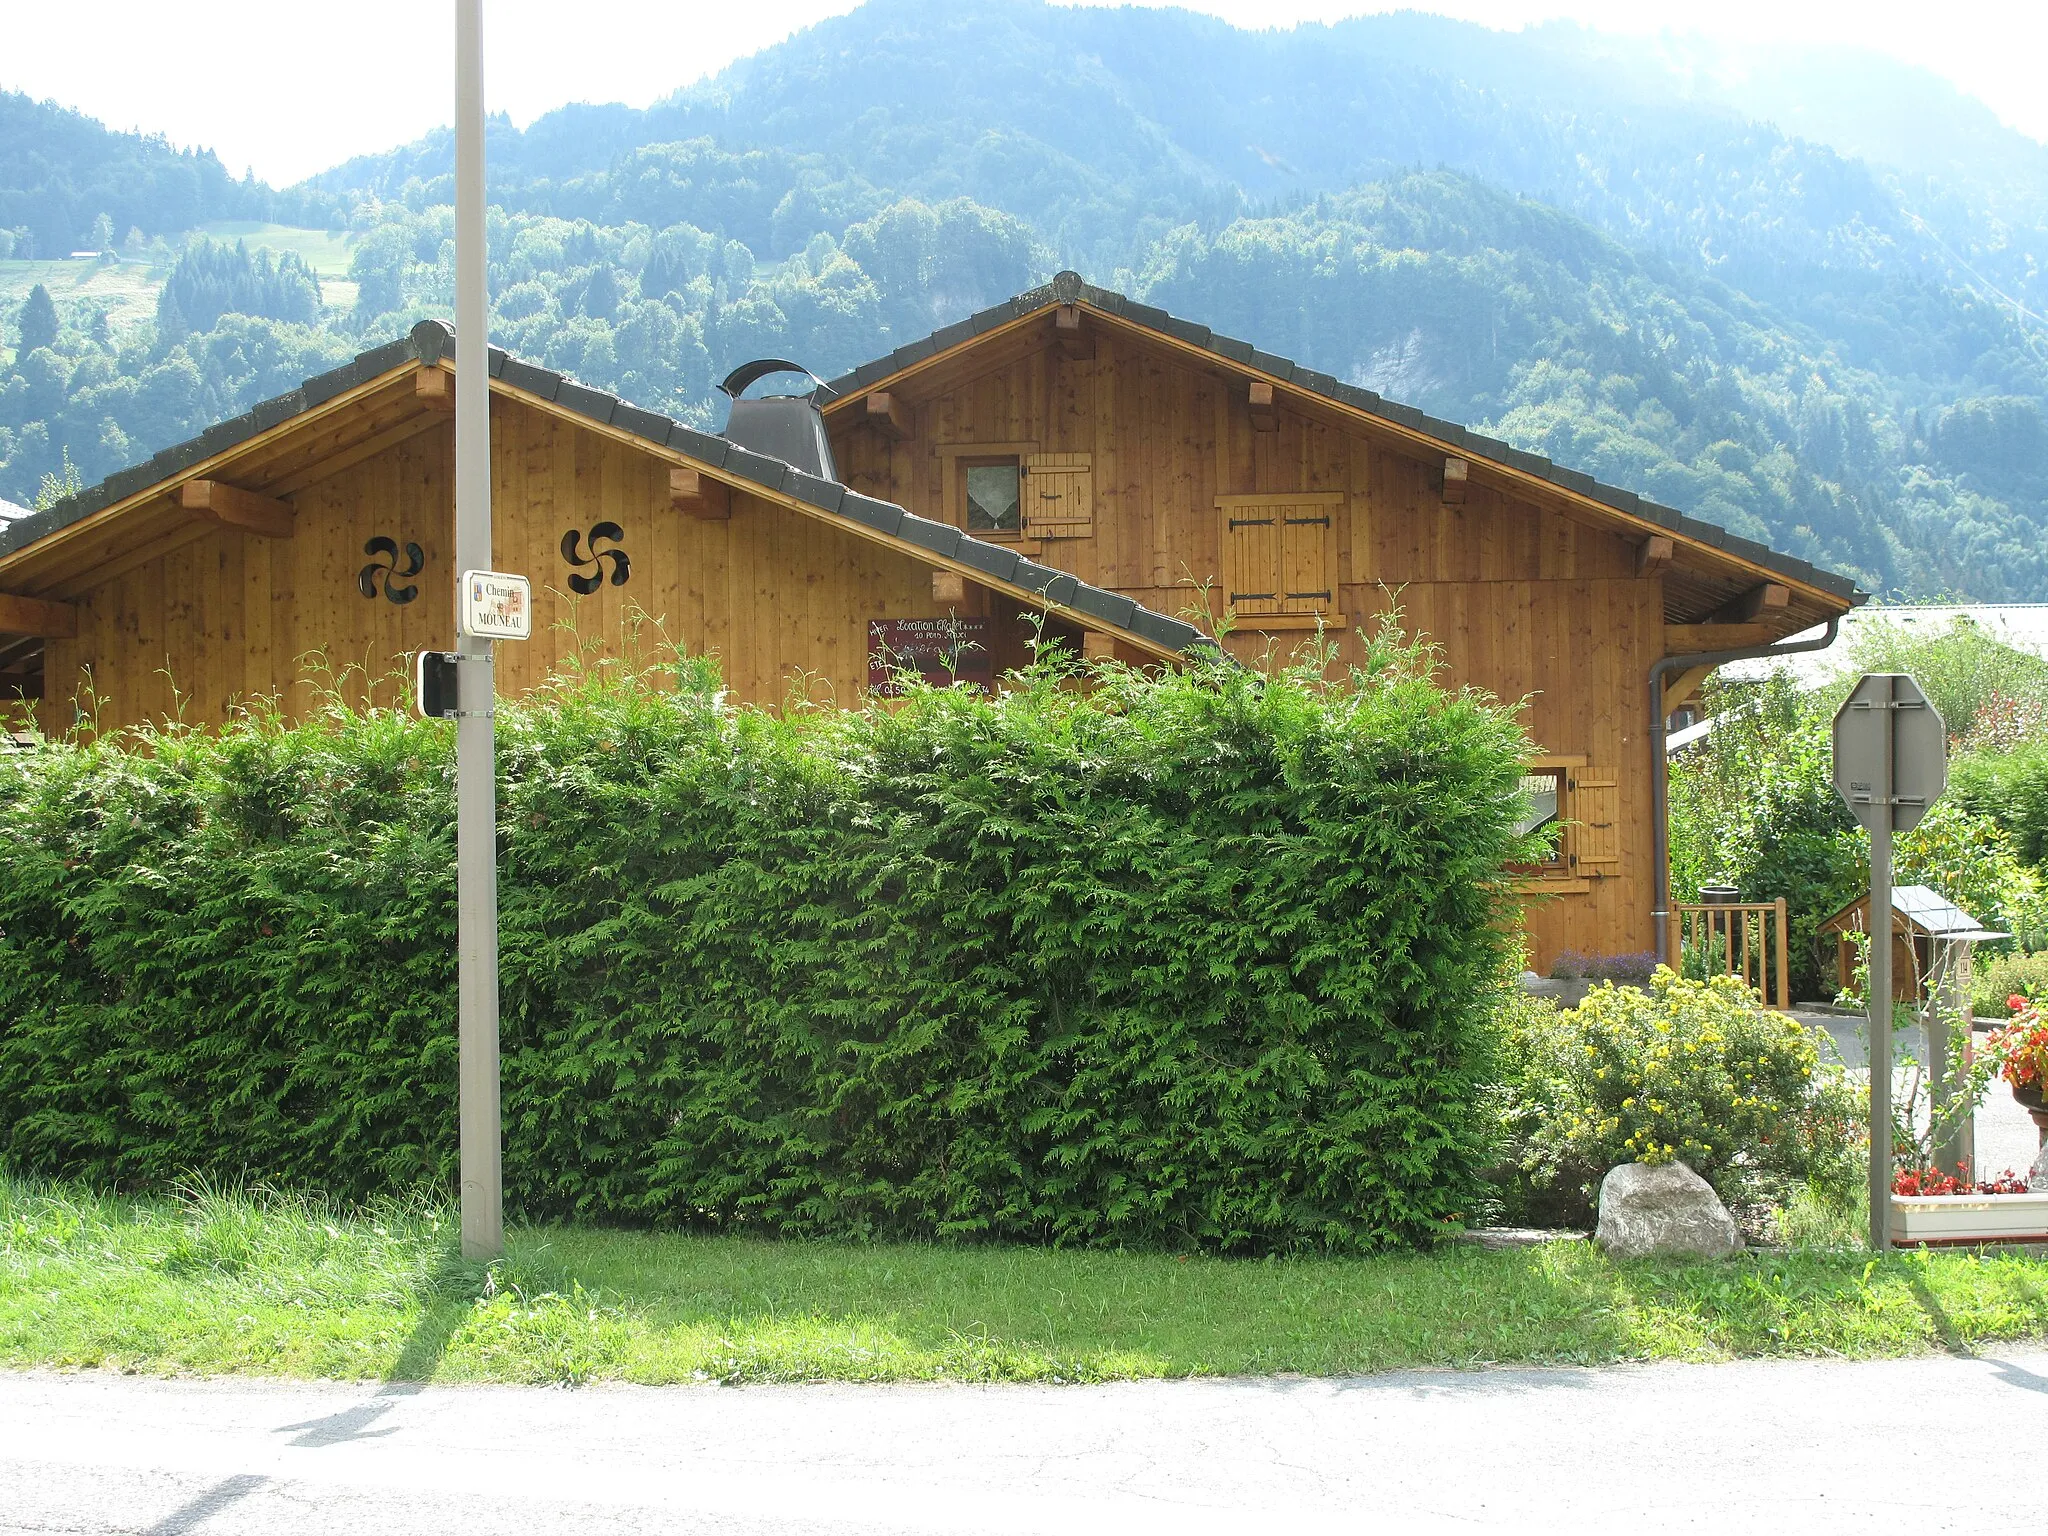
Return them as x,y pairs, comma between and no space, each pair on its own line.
698,495
1653,558
1071,330
1765,598
37,617
1259,398
230,506
1457,475
888,415
434,388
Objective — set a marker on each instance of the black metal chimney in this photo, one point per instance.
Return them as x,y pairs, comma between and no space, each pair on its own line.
786,427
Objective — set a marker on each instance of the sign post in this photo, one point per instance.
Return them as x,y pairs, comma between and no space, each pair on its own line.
476,775
1891,764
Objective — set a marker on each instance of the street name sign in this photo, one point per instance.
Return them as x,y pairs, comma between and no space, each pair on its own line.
495,606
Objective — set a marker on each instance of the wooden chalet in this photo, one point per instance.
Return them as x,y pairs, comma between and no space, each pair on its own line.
318,531
1153,458
1069,453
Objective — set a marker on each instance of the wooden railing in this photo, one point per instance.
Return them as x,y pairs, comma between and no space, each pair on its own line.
1746,939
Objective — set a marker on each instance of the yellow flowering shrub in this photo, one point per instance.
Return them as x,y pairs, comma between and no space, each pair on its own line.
1698,1071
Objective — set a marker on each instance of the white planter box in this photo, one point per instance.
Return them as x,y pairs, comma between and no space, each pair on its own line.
1969,1218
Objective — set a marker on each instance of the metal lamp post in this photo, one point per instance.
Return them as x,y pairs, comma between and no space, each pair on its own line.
476,815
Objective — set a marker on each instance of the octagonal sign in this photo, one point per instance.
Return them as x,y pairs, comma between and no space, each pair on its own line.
1891,752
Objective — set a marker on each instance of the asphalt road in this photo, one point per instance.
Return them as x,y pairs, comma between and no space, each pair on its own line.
1819,1446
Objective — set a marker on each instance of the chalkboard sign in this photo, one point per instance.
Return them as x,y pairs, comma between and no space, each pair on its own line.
941,651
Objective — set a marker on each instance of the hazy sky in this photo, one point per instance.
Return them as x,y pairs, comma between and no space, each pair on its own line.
291,89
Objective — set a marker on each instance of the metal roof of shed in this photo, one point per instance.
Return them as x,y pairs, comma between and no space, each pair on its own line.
1927,911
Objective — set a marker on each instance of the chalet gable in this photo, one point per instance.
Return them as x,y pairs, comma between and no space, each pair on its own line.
1720,590
244,474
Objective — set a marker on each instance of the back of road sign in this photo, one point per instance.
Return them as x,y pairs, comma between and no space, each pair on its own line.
1888,717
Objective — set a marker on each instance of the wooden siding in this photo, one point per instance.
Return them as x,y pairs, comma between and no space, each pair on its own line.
1523,600
781,599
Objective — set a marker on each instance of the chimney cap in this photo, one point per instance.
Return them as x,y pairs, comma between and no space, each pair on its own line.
737,382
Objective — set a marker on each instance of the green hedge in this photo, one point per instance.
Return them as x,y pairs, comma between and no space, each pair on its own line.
1200,960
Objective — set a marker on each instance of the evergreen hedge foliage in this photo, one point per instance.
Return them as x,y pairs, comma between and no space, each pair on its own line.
1193,960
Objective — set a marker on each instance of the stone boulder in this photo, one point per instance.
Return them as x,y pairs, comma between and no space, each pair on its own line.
2037,1177
1663,1212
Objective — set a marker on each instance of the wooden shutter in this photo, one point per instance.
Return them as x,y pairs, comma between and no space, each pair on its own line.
1279,553
1596,816
1251,560
1058,496
1306,584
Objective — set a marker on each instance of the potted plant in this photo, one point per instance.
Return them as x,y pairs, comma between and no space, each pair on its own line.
2021,1051
1931,1207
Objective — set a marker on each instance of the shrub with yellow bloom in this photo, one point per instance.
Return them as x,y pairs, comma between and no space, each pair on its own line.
1697,1071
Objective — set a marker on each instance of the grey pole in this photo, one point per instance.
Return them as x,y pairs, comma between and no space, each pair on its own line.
1880,999
476,787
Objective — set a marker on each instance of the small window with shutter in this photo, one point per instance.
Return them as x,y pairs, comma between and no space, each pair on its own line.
1058,496
993,496
1280,557
1578,807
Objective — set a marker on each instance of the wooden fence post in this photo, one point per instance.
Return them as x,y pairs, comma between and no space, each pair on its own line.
1784,965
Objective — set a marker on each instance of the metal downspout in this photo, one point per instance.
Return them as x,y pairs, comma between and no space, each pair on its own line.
1660,771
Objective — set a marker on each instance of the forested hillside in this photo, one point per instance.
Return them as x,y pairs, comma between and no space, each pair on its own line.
1581,245
61,173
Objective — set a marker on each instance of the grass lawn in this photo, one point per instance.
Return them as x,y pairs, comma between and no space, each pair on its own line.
221,1282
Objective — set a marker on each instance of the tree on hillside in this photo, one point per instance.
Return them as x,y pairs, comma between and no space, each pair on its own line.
103,233
211,280
38,320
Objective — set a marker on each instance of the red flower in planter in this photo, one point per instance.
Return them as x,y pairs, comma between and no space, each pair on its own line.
1932,1181
2021,1047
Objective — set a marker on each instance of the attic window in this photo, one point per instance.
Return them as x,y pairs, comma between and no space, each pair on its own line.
993,499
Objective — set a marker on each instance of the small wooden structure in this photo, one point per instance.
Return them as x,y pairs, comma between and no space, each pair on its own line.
1932,942
1746,939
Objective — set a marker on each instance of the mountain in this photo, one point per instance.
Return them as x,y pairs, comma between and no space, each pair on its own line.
60,171
1687,269
1104,126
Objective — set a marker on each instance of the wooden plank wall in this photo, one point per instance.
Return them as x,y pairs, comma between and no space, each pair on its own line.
781,599
233,617
1523,601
